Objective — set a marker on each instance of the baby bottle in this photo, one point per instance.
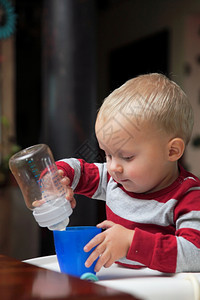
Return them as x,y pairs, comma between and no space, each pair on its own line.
37,176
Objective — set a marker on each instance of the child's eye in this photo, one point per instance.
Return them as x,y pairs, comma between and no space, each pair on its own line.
128,158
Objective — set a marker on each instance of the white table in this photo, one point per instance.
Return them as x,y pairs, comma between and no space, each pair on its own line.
145,284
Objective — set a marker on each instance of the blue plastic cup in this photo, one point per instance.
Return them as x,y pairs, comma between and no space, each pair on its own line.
69,246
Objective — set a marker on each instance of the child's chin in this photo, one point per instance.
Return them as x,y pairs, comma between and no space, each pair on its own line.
129,188
132,189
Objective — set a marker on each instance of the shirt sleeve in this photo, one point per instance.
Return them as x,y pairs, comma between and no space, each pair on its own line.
172,253
154,250
87,179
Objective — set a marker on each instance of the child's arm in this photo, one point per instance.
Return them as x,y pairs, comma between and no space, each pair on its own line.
112,244
88,179
163,252
178,252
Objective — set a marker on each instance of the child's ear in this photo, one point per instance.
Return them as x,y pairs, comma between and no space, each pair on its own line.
176,148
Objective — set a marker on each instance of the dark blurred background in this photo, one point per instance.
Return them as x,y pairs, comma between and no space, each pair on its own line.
68,56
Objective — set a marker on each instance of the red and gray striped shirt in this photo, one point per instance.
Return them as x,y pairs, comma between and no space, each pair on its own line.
166,222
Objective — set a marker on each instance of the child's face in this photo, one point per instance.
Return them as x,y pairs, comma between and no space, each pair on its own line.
137,156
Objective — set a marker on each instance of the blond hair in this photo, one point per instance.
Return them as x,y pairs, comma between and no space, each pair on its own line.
152,98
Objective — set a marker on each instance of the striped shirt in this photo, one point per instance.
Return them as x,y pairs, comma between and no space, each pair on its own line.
166,222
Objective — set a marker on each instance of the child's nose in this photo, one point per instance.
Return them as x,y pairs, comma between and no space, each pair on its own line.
115,166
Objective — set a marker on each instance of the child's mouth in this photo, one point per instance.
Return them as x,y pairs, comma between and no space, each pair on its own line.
122,181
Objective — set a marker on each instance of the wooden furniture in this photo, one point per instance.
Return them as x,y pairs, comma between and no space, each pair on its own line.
19,280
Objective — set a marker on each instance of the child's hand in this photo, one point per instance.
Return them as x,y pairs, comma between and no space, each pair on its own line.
66,183
112,244
69,192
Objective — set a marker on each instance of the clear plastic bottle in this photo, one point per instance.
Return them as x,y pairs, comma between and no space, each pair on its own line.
36,173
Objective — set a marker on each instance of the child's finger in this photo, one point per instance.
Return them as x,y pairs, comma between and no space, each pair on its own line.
97,253
73,203
38,203
65,181
104,260
69,193
94,242
105,224
61,173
